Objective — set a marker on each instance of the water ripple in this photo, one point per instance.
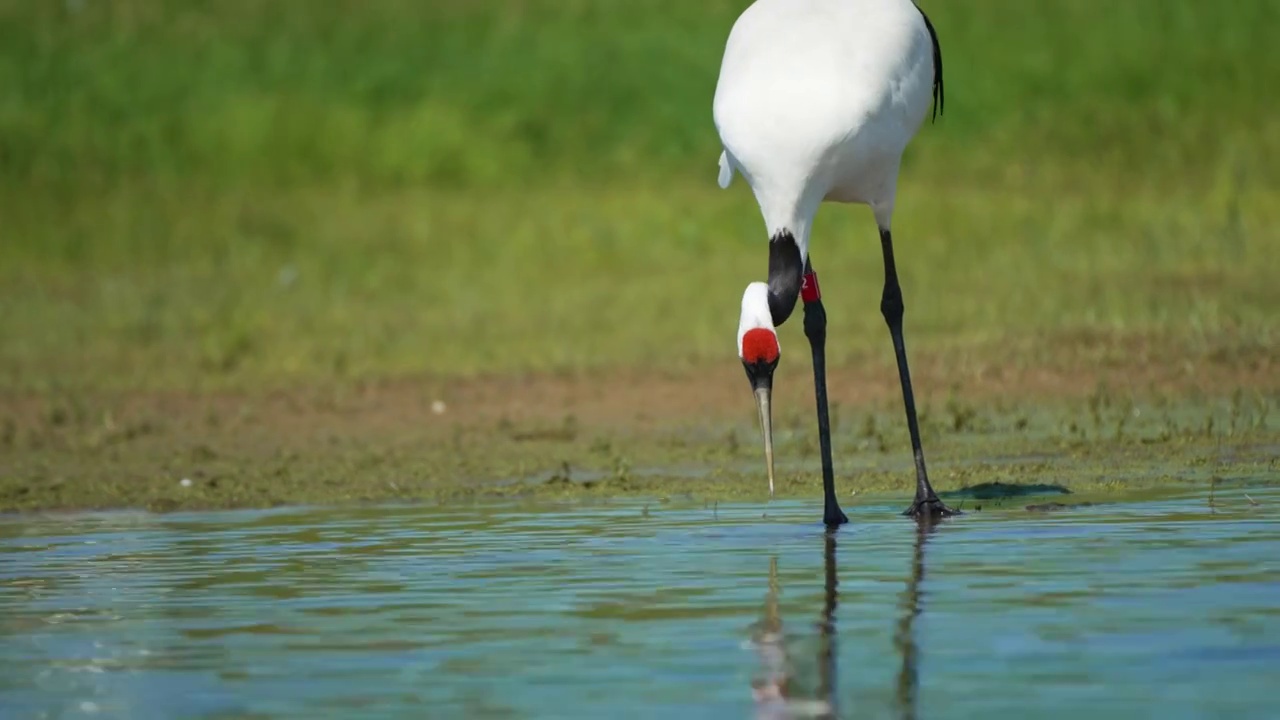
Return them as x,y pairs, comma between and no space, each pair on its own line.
1166,609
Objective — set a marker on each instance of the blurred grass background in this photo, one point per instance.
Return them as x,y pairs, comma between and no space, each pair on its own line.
207,193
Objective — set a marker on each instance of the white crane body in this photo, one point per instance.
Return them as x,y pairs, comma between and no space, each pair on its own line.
817,100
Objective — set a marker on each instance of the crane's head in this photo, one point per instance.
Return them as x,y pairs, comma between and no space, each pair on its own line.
759,350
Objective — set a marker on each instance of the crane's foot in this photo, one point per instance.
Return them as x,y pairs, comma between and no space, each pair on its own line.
834,518
930,507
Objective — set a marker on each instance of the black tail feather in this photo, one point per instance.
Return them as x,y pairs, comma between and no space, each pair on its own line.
938,95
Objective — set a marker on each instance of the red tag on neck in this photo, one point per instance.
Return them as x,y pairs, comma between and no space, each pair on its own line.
809,291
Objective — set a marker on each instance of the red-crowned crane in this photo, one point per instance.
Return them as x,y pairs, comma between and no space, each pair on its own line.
816,101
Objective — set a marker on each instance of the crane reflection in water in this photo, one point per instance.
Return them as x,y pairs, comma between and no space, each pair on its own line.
775,689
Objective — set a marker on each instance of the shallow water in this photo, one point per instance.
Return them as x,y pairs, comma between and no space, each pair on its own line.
1166,608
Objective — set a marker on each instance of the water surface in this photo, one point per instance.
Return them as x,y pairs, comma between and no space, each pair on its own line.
1167,608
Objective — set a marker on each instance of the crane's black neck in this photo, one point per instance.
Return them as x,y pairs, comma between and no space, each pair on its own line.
785,270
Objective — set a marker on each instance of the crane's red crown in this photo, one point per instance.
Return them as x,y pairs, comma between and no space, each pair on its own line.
759,345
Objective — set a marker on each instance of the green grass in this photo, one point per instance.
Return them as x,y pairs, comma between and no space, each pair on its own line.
197,194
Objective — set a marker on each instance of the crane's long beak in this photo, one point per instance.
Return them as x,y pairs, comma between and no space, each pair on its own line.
766,428
761,376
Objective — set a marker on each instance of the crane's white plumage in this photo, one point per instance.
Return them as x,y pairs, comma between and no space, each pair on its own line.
817,99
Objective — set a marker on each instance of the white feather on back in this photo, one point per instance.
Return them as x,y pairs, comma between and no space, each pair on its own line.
817,99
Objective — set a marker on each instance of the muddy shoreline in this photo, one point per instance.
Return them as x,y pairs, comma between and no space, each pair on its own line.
1084,427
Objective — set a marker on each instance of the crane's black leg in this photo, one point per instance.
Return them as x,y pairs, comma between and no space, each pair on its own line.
815,328
891,306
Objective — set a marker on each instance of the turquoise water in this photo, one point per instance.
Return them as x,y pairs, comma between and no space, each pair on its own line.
1167,608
